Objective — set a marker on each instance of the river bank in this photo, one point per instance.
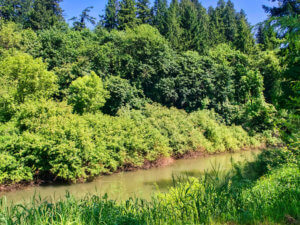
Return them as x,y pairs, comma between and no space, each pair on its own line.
262,191
135,183
159,163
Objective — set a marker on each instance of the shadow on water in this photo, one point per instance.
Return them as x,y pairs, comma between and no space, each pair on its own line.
182,176
216,170
192,173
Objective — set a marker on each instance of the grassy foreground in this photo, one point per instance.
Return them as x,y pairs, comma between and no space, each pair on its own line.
266,191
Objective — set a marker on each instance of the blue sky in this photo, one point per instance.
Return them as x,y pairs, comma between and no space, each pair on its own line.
253,8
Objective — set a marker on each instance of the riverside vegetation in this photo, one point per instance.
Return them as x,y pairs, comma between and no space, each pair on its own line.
146,83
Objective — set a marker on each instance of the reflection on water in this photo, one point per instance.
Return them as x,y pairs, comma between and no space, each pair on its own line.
141,183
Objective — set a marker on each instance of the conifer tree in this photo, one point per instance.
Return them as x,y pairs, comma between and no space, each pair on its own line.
15,10
80,23
159,14
202,39
127,14
110,17
214,27
173,24
266,36
143,11
45,14
229,21
244,40
189,23
285,19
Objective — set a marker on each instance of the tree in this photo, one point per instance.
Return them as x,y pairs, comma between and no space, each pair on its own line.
202,40
143,11
189,24
23,78
45,14
122,94
110,20
80,23
215,26
244,40
15,10
87,94
127,14
173,25
285,19
284,8
159,12
267,37
229,20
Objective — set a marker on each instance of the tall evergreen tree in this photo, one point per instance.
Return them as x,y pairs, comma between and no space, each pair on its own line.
80,23
214,27
15,10
110,19
159,14
202,39
244,40
45,14
127,14
189,23
173,24
229,21
266,36
143,11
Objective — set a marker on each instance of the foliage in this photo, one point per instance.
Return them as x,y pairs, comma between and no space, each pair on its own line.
143,11
87,94
268,198
13,37
54,143
127,14
110,16
44,14
62,46
23,78
122,94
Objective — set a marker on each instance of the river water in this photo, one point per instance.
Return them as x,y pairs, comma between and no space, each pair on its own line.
141,183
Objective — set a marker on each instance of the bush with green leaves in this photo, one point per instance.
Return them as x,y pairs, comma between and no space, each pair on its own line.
87,94
127,142
201,130
56,143
13,37
49,142
21,78
122,94
258,116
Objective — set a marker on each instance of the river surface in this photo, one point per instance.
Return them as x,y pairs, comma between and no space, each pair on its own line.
141,183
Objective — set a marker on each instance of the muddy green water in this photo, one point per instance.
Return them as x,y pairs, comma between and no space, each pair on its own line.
141,183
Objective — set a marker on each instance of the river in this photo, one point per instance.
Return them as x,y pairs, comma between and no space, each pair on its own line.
140,183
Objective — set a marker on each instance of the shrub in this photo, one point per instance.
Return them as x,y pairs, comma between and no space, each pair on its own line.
23,78
87,94
122,94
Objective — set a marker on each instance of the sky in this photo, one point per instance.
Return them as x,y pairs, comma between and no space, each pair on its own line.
253,8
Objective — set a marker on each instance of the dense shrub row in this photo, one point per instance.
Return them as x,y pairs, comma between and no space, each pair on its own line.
45,139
